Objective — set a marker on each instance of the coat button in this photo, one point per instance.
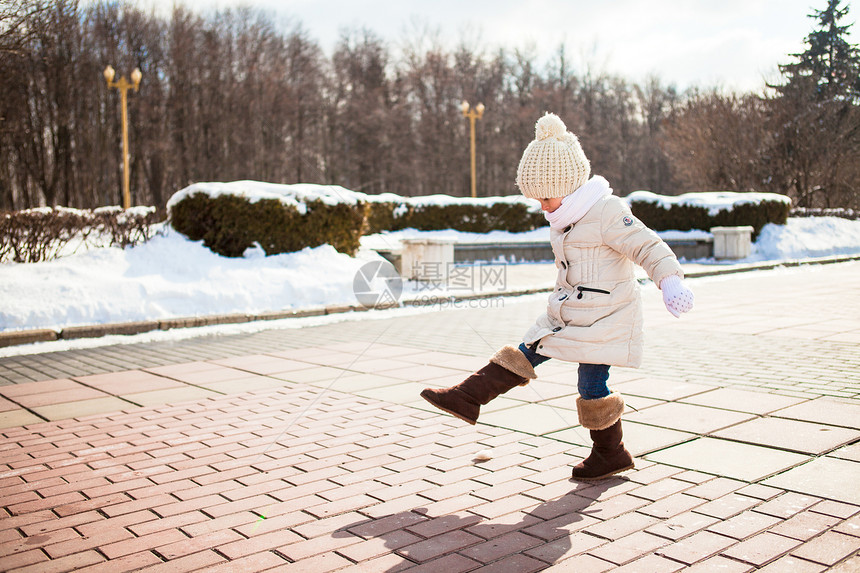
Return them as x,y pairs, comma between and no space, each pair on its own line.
556,329
563,264
562,297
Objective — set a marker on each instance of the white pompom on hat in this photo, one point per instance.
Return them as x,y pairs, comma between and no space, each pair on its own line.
553,165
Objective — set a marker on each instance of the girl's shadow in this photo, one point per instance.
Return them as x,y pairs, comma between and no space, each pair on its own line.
543,533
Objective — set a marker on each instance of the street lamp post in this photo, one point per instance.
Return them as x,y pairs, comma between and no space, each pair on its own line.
123,86
472,115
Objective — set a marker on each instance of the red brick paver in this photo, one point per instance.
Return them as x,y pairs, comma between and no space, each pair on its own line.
175,513
292,475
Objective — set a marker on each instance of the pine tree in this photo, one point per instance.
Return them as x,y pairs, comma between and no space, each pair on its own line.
830,66
813,150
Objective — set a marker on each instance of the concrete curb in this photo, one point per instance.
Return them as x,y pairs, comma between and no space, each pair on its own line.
21,337
766,266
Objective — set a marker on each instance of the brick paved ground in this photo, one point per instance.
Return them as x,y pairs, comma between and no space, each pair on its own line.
306,450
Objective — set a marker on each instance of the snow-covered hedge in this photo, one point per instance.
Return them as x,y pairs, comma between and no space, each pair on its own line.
232,217
42,234
479,215
825,212
706,210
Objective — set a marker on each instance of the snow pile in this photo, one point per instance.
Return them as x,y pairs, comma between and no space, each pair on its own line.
714,202
169,276
694,235
807,237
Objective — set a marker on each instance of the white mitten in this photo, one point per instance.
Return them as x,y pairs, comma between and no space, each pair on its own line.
676,296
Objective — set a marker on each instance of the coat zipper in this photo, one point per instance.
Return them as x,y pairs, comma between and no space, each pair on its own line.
583,289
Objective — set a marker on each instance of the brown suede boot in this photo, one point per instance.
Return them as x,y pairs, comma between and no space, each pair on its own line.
608,454
507,368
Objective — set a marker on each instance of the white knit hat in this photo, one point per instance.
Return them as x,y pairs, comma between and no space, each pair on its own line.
553,165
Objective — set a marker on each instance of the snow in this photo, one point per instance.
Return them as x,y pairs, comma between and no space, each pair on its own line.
714,202
299,194
694,235
171,276
392,239
806,237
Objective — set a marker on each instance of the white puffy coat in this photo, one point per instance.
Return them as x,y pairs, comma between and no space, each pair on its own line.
594,315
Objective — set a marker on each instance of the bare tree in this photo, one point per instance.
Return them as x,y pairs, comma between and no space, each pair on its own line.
360,119
715,142
656,104
434,98
233,95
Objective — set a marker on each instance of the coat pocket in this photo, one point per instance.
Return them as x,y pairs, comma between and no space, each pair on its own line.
586,306
582,290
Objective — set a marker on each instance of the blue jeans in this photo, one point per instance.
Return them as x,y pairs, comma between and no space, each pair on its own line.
592,377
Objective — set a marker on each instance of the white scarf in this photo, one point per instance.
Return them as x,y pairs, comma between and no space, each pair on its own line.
576,205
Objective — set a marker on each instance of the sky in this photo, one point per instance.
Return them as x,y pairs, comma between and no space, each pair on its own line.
731,44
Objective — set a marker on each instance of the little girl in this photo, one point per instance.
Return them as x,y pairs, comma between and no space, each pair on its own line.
594,314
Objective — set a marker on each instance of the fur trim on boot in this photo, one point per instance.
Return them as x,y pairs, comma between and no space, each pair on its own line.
512,359
601,413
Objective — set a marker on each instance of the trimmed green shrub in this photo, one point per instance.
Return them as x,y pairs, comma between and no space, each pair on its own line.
229,224
381,216
680,216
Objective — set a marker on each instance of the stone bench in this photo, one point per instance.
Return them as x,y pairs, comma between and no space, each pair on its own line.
513,251
692,249
732,242
420,258
426,259
420,252
540,251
